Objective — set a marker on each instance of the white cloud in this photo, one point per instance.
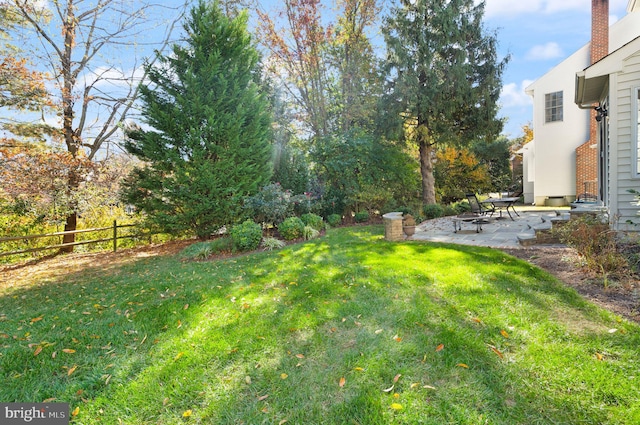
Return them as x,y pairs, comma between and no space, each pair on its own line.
514,95
511,8
112,77
547,51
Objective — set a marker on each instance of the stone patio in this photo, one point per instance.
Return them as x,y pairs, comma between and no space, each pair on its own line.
498,233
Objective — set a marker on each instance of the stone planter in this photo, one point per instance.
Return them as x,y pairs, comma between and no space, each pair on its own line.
409,230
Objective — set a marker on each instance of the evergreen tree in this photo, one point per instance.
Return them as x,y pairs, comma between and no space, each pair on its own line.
446,76
207,146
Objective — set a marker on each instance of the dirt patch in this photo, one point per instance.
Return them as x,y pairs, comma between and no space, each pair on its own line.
47,268
620,297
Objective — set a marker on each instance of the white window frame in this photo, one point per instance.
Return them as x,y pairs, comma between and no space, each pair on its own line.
547,108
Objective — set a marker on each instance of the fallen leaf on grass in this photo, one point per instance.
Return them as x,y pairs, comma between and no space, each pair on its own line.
75,411
462,365
73,369
475,319
68,350
180,354
395,378
440,347
358,369
263,397
342,382
495,350
300,356
247,379
388,390
283,376
187,414
599,356
37,319
38,350
284,421
504,333
429,387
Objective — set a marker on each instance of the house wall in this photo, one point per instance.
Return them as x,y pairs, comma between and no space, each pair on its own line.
554,165
556,143
622,135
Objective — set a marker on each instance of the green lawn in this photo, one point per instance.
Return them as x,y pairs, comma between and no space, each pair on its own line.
347,329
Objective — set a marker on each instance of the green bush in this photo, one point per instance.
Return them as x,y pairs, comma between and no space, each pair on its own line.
433,211
203,250
291,228
309,233
271,205
461,206
246,236
269,243
449,211
334,219
362,217
313,220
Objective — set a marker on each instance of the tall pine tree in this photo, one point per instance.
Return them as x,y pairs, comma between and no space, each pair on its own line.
446,76
208,142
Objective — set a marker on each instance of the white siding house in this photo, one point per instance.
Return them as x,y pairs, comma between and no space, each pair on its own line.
559,125
614,83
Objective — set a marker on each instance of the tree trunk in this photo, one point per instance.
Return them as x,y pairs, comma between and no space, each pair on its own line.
426,170
72,218
69,226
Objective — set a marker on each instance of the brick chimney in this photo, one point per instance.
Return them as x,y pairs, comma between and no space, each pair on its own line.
587,154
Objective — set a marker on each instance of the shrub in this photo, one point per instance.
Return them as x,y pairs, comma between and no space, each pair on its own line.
313,220
433,211
362,217
461,206
595,242
246,236
269,243
271,205
334,219
203,250
291,228
309,233
449,211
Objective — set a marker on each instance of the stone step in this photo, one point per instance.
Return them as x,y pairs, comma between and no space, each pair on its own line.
527,239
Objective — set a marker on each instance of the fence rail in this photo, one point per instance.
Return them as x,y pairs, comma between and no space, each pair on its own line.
113,237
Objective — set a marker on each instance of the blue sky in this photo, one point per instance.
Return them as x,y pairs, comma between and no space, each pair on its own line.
539,34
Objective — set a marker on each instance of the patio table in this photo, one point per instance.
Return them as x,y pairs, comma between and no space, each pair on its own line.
500,204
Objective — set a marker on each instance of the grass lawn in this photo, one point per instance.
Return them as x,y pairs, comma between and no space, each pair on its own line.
347,329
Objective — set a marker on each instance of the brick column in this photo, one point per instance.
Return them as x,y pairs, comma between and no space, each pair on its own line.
587,153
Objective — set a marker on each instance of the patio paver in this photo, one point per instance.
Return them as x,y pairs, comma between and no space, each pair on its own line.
496,234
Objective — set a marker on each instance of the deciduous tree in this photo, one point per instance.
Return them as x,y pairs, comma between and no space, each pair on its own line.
83,44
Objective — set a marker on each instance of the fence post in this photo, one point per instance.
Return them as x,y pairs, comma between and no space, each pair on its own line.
115,236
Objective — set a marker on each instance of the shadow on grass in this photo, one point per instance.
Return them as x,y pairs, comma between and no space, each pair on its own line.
269,337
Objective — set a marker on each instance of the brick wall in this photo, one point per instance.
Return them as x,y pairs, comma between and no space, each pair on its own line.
586,167
587,153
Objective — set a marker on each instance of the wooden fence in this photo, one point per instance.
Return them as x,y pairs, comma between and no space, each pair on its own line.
114,237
